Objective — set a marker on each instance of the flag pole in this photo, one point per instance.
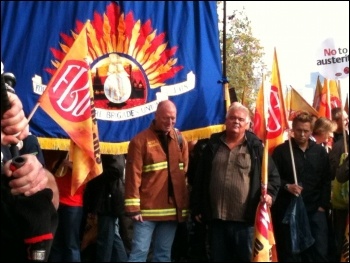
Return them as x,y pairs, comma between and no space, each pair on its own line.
224,43
227,101
292,157
33,111
288,102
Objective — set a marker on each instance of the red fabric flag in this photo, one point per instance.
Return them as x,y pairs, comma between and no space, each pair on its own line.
276,121
258,123
329,99
264,246
334,94
273,125
296,103
68,99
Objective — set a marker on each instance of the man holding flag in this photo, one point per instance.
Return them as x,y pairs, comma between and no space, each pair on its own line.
227,187
68,100
311,181
28,191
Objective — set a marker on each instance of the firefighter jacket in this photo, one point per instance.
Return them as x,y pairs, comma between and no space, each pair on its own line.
155,183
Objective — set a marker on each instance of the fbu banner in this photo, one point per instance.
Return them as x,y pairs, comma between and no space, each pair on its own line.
140,52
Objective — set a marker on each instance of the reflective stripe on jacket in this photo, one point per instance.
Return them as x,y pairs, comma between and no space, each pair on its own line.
147,175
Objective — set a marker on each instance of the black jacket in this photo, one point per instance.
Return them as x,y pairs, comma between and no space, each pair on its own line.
200,197
104,194
313,174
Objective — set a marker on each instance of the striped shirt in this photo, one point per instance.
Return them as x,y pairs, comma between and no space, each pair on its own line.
230,181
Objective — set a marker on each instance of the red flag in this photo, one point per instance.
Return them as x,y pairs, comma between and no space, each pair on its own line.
264,246
277,121
318,94
296,103
329,99
68,99
258,123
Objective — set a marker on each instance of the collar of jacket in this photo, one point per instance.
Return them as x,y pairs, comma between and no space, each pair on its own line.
311,143
171,133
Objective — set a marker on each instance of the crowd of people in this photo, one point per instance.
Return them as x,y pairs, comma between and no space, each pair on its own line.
168,199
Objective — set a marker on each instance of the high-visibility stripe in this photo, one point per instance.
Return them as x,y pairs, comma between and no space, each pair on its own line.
185,212
181,166
129,202
159,212
158,166
163,212
155,167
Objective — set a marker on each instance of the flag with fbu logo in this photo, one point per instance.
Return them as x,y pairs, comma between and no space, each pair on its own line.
139,53
68,99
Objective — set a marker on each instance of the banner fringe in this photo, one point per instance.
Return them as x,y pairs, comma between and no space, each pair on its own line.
61,144
202,133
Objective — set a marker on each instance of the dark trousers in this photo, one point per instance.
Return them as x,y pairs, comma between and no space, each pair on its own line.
318,252
231,241
180,244
109,244
339,225
66,243
198,242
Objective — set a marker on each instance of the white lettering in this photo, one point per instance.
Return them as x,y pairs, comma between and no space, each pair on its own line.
180,88
78,105
272,113
122,115
39,89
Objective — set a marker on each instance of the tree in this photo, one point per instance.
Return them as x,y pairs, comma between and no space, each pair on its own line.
244,65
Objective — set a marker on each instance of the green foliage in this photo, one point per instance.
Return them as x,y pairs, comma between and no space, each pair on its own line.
244,65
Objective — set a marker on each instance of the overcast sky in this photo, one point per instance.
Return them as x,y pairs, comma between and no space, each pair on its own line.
297,30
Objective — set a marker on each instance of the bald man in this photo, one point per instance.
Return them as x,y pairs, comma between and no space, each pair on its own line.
156,195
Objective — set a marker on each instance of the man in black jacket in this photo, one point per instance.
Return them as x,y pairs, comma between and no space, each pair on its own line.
227,187
311,164
104,197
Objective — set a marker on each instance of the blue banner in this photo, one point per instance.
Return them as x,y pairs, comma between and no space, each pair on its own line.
140,52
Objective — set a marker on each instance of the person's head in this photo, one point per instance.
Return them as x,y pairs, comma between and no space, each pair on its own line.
165,116
314,119
302,128
341,118
237,119
323,130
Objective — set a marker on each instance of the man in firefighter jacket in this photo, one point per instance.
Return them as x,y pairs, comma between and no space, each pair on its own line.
156,194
